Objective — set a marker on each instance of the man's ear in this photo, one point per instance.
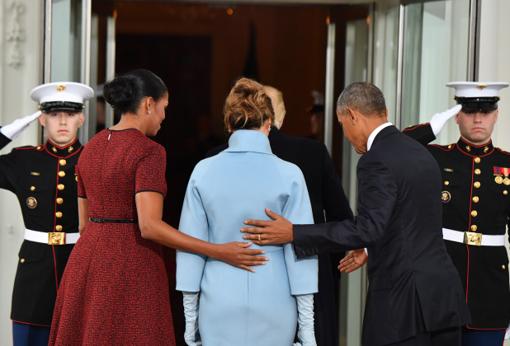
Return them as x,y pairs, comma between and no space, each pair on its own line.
81,117
352,115
457,118
42,120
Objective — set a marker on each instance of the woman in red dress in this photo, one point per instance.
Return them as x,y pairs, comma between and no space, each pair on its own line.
115,289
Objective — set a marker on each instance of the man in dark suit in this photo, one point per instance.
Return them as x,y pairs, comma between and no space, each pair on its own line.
328,204
415,295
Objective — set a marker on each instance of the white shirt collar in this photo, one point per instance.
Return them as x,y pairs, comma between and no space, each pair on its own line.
375,132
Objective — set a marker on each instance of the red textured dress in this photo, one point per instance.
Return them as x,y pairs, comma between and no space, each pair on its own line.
115,289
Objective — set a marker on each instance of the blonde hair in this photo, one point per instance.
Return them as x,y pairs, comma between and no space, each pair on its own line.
276,97
247,106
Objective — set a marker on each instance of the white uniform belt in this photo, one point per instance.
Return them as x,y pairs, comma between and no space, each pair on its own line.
51,238
473,238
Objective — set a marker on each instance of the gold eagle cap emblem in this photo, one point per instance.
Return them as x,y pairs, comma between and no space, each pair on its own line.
61,87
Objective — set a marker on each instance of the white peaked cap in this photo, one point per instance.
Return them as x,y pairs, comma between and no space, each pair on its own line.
477,89
61,91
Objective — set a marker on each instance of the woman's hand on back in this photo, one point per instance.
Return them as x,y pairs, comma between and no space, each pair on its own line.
239,254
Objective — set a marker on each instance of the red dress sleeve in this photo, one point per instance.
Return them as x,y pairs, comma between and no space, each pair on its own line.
79,181
150,172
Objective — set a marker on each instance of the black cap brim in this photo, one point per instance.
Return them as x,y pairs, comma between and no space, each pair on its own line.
478,104
61,106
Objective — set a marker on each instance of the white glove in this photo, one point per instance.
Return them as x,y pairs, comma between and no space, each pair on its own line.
507,335
191,334
439,119
306,332
13,129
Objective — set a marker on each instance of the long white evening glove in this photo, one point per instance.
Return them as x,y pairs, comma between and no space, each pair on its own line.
13,129
306,332
439,119
190,302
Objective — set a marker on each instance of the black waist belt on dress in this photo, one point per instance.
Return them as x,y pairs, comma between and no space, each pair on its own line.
106,220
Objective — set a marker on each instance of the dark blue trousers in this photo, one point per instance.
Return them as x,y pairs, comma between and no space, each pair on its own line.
27,335
482,337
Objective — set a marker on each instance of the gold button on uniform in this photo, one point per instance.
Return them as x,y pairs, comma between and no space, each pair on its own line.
58,214
60,200
474,228
61,174
446,182
505,192
477,184
32,188
477,160
478,171
22,260
476,199
60,187
474,213
62,162
58,228
503,267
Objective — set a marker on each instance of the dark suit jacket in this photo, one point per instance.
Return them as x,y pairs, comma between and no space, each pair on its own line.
414,286
329,204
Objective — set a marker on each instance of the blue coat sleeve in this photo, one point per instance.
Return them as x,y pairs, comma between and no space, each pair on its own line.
303,273
190,266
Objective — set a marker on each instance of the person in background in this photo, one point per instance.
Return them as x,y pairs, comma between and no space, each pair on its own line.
42,177
476,206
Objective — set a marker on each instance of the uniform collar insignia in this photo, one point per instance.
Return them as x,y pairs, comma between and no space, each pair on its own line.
474,150
67,150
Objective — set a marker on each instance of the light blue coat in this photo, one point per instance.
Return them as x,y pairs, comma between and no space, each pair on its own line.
236,307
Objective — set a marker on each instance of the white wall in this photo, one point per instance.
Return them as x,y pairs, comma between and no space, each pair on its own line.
21,24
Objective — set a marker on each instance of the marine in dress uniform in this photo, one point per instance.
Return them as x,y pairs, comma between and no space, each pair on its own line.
43,179
476,210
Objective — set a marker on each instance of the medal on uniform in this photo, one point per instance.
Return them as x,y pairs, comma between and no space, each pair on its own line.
506,181
31,202
446,196
498,179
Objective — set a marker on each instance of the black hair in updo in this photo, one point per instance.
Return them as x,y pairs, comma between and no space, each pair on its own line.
125,92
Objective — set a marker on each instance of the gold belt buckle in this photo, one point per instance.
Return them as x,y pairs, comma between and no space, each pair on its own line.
472,238
56,238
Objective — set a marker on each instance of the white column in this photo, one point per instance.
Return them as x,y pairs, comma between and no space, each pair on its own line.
21,24
493,61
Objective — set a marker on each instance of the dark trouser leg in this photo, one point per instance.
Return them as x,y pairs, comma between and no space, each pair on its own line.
447,337
444,337
27,335
482,337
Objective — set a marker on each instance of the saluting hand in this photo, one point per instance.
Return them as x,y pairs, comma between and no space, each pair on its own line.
239,255
278,230
352,261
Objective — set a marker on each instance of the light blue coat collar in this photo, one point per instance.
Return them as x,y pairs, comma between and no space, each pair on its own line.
249,140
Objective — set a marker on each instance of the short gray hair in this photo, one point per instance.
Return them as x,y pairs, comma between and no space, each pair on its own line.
364,97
